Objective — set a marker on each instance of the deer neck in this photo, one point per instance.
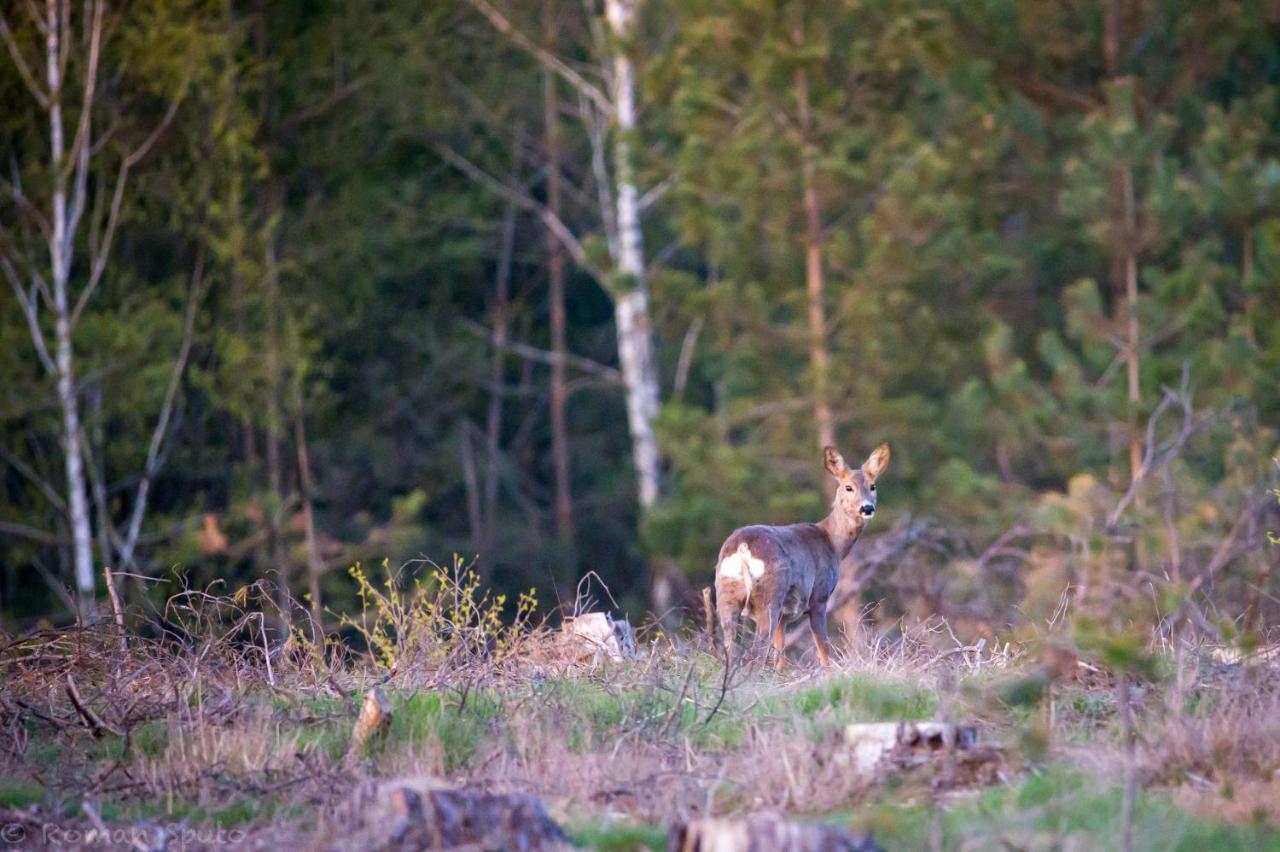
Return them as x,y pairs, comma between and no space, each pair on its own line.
842,530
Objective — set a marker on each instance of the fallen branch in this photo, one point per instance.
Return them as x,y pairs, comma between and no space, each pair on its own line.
91,719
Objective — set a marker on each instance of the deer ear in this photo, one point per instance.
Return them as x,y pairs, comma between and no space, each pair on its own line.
877,461
834,461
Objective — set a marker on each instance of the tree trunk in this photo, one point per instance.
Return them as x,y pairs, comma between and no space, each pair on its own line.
271,204
493,424
555,282
60,242
1133,336
819,358
1124,249
315,565
631,299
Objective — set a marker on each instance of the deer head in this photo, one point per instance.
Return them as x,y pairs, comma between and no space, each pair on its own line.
856,486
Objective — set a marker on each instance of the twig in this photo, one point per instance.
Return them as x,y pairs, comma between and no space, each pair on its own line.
679,705
532,353
115,608
546,57
91,719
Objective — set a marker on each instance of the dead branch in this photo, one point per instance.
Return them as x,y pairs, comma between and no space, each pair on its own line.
553,222
532,353
546,57
91,719
98,264
1153,459
152,463
33,86
116,611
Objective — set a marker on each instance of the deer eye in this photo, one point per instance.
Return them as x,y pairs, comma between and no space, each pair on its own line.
848,488
873,486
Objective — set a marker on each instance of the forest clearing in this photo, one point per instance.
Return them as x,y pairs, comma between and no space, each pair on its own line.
211,737
467,424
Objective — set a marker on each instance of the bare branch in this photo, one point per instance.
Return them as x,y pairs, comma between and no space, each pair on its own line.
597,127
1152,459
655,193
41,96
543,356
33,11
29,311
320,107
23,531
152,463
35,479
687,347
81,144
546,57
1225,551
91,719
99,263
553,222
24,203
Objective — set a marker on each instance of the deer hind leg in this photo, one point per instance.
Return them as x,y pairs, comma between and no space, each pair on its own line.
728,615
818,626
777,627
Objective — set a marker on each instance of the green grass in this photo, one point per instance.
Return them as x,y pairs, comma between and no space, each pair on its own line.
865,698
20,794
625,837
1058,807
425,717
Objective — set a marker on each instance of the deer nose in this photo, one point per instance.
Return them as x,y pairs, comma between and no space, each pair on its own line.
868,509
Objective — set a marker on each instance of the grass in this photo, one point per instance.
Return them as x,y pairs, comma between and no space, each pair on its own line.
15,793
619,837
454,726
865,698
615,750
1057,807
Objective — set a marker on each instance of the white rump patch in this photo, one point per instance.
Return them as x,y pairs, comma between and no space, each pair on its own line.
743,566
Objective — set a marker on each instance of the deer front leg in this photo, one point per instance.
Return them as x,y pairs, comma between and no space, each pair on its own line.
818,626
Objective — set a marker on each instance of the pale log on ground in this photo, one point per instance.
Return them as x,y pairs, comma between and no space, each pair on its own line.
597,634
748,835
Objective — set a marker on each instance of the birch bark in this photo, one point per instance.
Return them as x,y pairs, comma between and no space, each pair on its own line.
631,298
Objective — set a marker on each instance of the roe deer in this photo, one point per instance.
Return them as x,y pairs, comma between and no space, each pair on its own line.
777,574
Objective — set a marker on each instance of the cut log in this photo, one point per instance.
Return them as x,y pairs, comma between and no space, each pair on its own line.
750,835
596,634
870,743
374,719
423,813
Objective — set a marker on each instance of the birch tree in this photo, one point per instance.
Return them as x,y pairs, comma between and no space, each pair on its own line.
609,115
58,53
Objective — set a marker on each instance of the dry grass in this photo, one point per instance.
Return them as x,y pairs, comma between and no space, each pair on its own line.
212,721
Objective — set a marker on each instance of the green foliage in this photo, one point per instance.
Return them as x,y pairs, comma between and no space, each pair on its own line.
968,164
410,621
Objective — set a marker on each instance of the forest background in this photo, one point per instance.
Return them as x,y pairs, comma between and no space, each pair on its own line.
581,287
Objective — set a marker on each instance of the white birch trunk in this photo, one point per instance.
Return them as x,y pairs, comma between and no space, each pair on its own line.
60,258
631,303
